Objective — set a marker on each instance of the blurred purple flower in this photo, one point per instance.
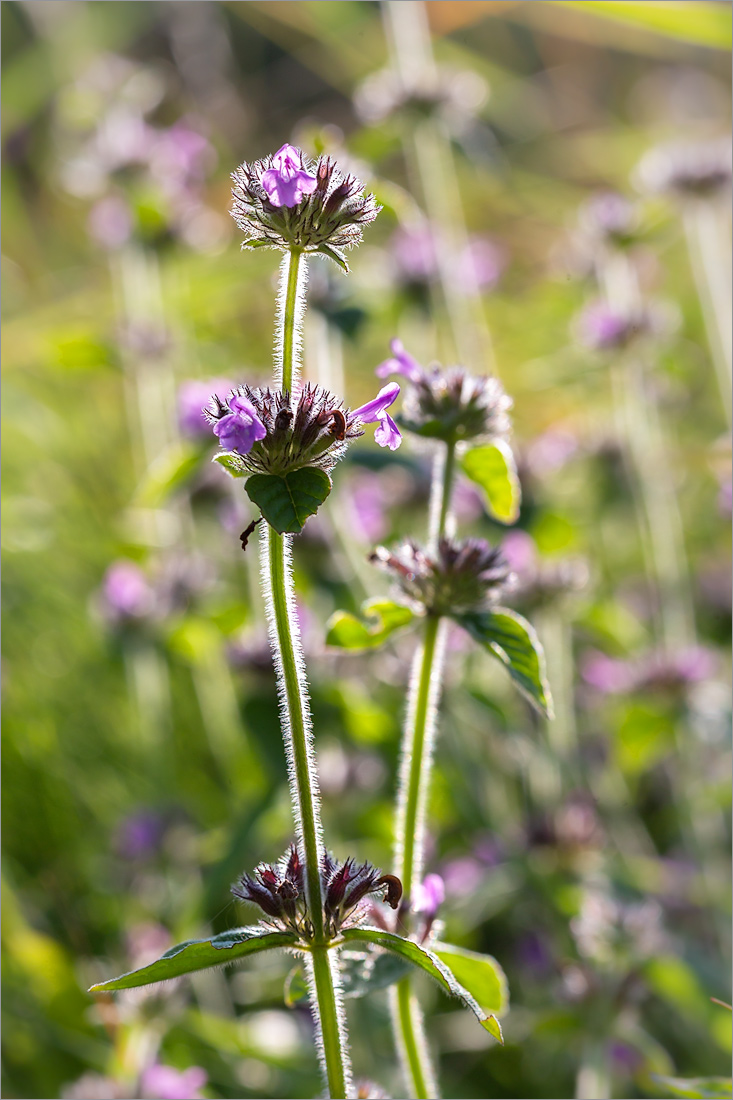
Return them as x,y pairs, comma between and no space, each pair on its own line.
550,451
414,254
624,1058
179,156
192,396
467,503
240,429
123,138
608,214
725,498
462,876
607,674
367,505
139,835
428,896
520,550
480,265
287,182
126,593
601,328
146,942
159,1082
387,433
110,222
400,363
534,954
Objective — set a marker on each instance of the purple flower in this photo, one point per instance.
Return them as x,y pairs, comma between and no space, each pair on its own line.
401,363
601,328
110,222
462,876
479,265
240,429
428,896
607,674
415,255
287,182
375,411
125,591
160,1082
192,396
139,835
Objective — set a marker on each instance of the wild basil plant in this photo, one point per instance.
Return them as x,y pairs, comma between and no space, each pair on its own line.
283,442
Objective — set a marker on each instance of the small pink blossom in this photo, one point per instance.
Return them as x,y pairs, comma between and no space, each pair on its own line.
287,182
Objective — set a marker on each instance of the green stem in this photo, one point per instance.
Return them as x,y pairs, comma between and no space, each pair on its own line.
323,964
293,305
279,590
420,715
413,1046
417,755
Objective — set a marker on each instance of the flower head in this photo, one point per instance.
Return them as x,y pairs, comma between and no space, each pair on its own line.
283,202
448,404
699,169
279,891
159,1082
267,431
464,576
126,593
375,412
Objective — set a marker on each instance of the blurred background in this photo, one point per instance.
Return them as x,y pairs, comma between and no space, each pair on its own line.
582,257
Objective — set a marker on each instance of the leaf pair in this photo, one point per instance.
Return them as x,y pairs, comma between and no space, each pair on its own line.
476,980
501,632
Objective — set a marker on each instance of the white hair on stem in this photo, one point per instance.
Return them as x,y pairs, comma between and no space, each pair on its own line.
285,317
414,874
338,999
417,1020
298,705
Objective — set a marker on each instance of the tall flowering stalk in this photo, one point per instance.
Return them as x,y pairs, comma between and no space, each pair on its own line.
284,441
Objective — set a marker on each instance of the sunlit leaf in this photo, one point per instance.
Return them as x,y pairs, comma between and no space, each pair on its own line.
193,955
382,617
232,463
481,975
514,641
431,964
494,470
695,21
696,1088
170,471
286,500
336,255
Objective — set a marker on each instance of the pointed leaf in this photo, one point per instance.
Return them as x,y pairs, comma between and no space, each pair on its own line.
286,500
199,955
334,254
430,963
170,470
481,975
232,463
699,1088
347,632
494,470
296,987
514,641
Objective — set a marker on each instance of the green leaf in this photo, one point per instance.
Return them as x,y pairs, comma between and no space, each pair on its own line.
514,641
481,975
431,964
170,470
199,955
364,972
494,470
232,463
286,500
334,254
296,987
383,618
695,21
702,1088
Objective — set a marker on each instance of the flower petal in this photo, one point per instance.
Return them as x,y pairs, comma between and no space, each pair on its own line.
374,409
403,363
388,434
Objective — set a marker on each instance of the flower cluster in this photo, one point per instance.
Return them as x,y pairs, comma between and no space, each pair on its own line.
448,404
694,169
284,202
267,431
466,575
279,891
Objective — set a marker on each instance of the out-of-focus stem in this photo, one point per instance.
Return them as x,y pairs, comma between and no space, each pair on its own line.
710,261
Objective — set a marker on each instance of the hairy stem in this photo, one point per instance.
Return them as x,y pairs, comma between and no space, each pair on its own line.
291,305
417,757
297,729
